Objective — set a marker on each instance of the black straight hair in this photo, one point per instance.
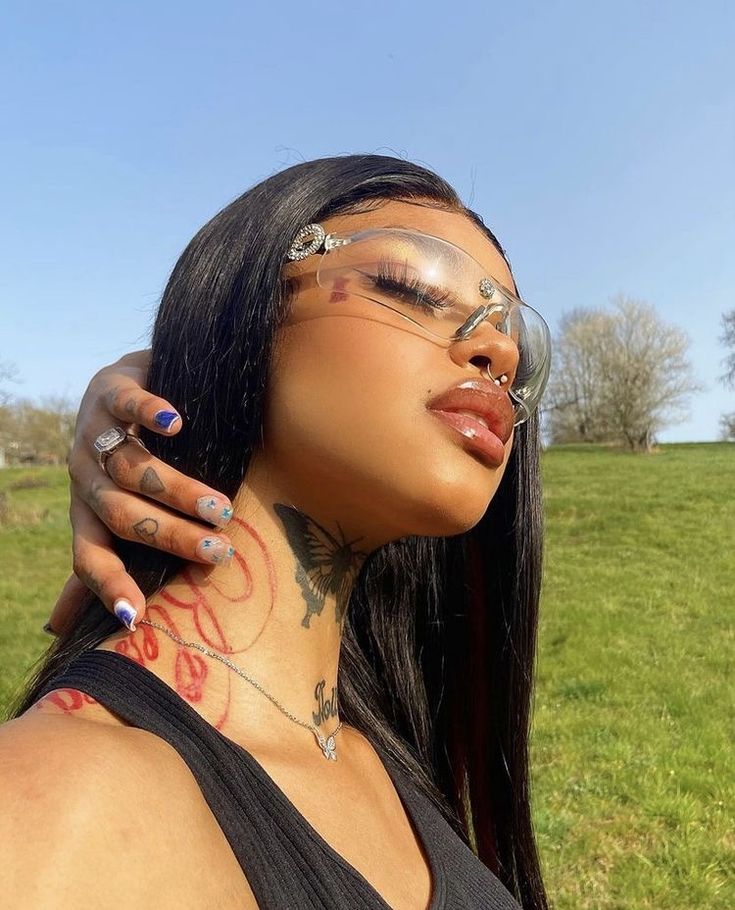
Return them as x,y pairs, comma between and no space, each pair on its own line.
438,653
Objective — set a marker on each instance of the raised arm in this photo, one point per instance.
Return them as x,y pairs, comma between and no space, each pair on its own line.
132,497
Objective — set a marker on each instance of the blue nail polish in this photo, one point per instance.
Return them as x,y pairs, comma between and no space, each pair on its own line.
165,419
126,613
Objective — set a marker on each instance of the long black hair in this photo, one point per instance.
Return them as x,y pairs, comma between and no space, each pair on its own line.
438,652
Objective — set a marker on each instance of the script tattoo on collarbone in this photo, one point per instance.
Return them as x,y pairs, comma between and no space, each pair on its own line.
327,707
324,565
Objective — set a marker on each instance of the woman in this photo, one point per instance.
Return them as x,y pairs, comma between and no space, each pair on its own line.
357,394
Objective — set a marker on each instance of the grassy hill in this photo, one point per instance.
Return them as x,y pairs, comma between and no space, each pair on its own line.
633,750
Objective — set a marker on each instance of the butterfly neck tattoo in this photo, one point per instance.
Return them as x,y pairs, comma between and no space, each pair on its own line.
324,564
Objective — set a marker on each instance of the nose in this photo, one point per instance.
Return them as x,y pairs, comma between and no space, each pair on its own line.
485,344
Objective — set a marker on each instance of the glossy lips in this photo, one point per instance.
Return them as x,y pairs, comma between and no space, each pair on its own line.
481,399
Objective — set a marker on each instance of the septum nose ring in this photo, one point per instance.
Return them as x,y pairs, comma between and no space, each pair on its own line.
502,379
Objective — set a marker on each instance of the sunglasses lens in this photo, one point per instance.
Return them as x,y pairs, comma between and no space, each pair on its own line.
437,286
533,339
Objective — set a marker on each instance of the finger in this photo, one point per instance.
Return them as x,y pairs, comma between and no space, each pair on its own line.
132,404
100,569
140,520
133,468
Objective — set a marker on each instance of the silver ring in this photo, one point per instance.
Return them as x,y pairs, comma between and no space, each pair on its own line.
110,441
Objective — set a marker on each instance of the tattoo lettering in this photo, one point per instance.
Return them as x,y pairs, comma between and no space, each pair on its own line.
327,706
150,482
324,565
146,529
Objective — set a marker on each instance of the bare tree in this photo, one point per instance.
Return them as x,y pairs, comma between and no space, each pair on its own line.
727,427
573,404
619,375
8,373
728,339
727,421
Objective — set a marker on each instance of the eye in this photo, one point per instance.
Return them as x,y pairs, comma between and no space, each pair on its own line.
413,292
401,283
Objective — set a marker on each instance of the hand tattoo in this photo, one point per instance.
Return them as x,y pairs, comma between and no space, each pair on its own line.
130,408
146,529
150,482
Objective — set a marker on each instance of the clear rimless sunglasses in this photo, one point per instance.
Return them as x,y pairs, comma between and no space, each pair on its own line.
436,286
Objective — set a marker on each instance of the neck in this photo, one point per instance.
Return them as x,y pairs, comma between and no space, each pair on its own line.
277,612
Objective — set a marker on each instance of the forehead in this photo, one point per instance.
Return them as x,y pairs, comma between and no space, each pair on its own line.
452,226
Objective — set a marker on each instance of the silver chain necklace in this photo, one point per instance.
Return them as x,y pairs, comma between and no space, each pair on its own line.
326,744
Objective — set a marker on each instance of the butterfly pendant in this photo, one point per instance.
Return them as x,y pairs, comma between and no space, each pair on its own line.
327,746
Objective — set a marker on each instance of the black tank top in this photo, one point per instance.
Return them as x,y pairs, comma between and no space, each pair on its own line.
286,862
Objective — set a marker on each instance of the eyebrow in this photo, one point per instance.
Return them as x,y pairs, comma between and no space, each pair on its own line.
454,247
415,236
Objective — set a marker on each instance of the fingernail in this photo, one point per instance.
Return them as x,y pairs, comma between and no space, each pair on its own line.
214,509
47,628
125,612
216,550
165,419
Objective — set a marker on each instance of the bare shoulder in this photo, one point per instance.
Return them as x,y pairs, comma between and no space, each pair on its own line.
89,803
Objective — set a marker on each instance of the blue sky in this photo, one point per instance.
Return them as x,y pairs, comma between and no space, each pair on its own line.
596,139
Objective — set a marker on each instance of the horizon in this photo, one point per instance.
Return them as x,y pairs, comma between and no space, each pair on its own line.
594,142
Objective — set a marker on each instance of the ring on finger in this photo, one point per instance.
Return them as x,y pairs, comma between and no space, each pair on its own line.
110,441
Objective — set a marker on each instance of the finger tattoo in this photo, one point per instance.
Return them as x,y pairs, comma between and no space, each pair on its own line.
146,529
150,482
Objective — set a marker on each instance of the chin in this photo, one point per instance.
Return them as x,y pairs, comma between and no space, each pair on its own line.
454,500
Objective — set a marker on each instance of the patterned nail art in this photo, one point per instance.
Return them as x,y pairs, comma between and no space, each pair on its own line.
214,509
215,550
165,419
126,613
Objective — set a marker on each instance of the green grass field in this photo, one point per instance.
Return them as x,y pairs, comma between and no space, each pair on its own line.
633,747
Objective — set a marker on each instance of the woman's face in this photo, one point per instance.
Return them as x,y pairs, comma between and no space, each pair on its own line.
347,430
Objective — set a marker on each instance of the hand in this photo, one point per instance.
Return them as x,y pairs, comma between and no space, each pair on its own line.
120,502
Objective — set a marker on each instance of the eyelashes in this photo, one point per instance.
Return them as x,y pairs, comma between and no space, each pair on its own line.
402,284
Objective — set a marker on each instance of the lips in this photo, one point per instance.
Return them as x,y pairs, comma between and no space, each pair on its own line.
481,399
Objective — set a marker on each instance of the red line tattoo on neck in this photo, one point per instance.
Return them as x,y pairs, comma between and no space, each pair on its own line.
191,669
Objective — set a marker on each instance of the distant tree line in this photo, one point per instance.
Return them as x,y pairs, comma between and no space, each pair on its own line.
619,375
33,432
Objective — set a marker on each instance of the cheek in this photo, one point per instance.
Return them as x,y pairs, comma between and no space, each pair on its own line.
346,406
342,385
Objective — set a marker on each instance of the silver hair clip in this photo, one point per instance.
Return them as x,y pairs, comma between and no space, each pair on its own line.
307,241
310,239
